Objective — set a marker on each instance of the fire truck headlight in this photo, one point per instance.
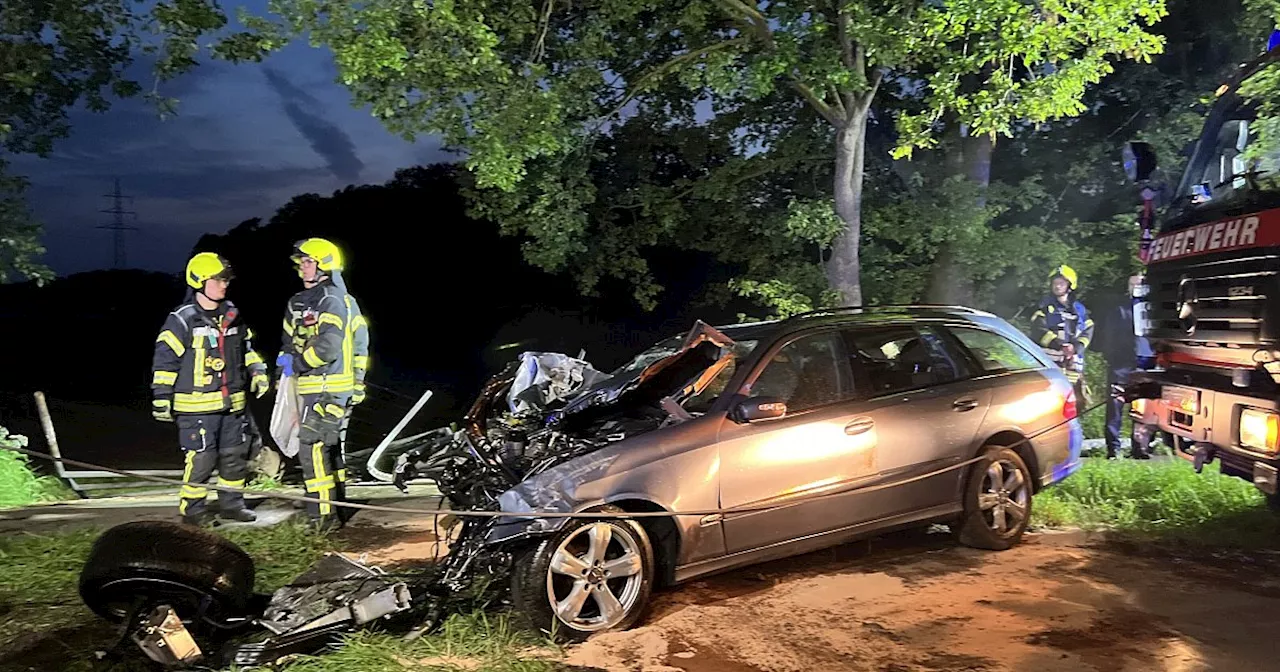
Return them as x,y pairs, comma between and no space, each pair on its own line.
1259,429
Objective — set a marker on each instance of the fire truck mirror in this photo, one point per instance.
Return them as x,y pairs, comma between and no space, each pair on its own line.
1139,160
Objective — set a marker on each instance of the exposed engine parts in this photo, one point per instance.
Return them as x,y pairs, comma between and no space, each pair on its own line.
541,412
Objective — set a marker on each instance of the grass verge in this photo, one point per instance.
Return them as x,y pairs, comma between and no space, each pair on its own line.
44,625
19,483
1163,501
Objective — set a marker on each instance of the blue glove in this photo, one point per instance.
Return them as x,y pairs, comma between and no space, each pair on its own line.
285,362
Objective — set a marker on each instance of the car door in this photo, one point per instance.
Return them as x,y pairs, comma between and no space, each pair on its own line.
819,446
926,407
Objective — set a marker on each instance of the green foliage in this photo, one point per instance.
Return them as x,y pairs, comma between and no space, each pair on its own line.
1161,501
1095,379
536,93
19,484
280,552
20,247
475,641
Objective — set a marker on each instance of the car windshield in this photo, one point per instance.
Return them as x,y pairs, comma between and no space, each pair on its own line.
660,350
666,348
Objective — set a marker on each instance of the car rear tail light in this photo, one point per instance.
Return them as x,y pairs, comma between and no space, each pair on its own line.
1259,430
1069,411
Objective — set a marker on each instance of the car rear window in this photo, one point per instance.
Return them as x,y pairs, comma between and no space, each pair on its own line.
995,353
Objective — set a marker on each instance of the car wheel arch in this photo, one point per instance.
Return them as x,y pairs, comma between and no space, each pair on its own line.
663,533
1018,442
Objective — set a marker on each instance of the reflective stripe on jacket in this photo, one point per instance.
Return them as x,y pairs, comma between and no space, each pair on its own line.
317,334
1053,325
358,332
203,361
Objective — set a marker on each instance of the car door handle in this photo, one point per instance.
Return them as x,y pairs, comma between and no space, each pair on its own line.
859,426
963,405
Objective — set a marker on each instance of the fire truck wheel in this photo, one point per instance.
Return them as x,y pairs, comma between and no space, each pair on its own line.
142,564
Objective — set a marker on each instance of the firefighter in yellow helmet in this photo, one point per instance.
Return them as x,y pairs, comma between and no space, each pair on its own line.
1063,327
325,345
203,364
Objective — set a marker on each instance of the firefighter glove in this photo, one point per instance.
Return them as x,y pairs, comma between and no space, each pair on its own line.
162,410
358,395
285,362
259,385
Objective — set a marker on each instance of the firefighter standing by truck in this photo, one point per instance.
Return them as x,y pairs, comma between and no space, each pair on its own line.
1063,328
325,345
203,363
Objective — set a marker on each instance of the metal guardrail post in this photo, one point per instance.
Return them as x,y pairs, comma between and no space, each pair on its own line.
51,438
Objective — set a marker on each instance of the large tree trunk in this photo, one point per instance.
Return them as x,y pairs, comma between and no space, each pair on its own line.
844,270
949,281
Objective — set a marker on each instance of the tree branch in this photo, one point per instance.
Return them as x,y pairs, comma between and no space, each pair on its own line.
665,68
751,16
818,103
839,104
539,48
846,43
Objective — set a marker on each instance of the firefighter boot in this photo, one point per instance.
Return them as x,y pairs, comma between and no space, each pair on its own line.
240,515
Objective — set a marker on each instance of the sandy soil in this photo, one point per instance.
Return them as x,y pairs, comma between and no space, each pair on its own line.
916,602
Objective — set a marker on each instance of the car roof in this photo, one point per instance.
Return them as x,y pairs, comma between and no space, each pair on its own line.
855,316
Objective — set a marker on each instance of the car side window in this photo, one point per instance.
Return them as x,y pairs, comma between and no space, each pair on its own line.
806,373
897,359
993,352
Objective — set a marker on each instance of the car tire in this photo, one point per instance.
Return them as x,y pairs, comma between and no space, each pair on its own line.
541,577
147,563
996,514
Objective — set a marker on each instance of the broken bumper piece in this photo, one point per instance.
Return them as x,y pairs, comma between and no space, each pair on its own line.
334,596
165,640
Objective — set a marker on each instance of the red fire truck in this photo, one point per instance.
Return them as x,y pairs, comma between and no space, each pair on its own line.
1212,290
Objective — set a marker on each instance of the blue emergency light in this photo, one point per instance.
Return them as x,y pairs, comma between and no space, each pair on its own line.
1274,41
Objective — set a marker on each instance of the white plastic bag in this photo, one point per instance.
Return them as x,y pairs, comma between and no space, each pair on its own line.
545,378
285,418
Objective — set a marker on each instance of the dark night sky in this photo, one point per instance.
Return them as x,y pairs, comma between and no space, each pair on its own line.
247,138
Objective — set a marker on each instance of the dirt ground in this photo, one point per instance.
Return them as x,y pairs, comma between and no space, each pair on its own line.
917,602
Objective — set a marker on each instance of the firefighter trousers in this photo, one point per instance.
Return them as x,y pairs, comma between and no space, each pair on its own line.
320,453
212,441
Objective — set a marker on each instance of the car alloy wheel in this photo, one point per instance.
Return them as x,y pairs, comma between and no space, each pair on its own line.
1004,497
997,500
595,577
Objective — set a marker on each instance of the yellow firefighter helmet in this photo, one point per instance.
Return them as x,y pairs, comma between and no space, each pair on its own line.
1068,274
327,255
207,266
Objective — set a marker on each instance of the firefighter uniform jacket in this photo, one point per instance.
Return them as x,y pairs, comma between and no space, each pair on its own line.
204,360
358,332
1054,325
326,334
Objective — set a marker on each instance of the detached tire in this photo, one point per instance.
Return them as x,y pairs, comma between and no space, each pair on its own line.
997,501
592,576
154,562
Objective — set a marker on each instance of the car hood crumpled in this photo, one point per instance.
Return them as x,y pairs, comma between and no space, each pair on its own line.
680,375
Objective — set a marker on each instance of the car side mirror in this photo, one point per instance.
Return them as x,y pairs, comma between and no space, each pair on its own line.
1139,161
758,408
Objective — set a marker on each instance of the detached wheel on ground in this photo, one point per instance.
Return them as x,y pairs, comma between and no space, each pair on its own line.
997,501
594,575
147,563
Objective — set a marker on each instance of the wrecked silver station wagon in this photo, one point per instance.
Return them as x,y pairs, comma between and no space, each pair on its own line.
791,435
784,436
